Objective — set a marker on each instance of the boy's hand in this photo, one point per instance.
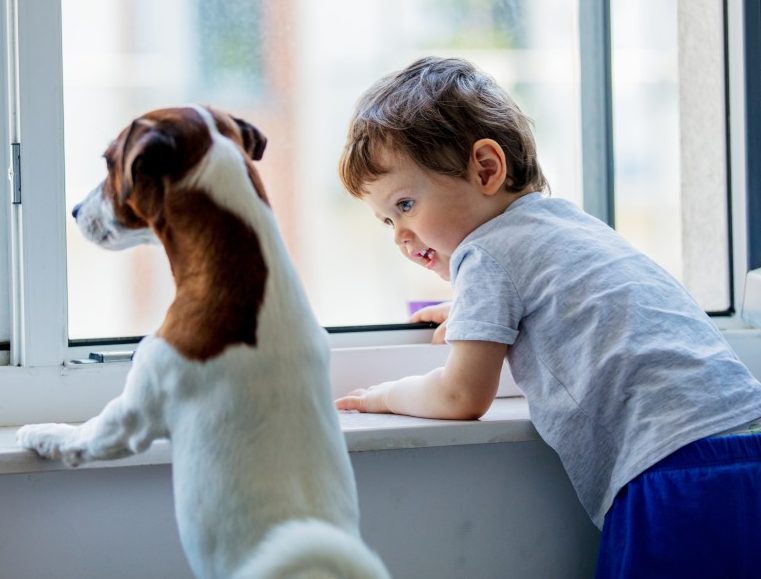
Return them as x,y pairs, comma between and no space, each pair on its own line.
372,399
437,314
461,390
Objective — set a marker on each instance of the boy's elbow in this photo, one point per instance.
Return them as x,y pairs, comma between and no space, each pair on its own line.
464,407
472,415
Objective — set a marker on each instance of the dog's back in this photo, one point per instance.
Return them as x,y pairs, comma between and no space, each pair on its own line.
255,442
257,419
238,373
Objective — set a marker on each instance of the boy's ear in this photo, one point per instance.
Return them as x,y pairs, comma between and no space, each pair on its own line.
488,165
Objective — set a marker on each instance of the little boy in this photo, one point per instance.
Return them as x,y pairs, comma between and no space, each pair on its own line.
626,377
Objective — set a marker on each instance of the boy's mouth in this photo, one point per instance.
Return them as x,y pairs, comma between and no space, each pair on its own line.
429,257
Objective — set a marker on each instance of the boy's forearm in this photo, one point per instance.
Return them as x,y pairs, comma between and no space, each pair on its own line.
430,396
462,390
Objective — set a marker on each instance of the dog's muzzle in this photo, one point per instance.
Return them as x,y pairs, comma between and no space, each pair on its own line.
95,219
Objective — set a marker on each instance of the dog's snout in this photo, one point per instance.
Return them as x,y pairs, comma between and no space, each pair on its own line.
76,210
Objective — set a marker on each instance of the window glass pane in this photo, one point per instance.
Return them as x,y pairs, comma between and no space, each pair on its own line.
295,69
670,139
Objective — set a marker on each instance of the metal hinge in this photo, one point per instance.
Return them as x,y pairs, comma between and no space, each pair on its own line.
14,173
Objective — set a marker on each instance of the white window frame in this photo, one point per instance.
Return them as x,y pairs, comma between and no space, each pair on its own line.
38,227
5,195
40,386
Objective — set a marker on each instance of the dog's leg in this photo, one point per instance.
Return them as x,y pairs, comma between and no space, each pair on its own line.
127,425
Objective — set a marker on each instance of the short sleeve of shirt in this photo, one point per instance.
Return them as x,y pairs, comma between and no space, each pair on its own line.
486,305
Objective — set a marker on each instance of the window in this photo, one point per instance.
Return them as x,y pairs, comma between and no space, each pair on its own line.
620,118
295,70
669,138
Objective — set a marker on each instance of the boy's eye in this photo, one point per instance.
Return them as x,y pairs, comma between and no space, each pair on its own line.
405,205
388,222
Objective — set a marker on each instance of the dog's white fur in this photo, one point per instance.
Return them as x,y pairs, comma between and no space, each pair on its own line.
262,481
97,223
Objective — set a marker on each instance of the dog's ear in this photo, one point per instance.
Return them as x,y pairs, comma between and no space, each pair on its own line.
254,142
149,153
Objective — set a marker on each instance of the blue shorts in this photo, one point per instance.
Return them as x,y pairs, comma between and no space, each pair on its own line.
696,514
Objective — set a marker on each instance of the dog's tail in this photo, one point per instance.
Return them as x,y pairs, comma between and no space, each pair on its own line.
311,545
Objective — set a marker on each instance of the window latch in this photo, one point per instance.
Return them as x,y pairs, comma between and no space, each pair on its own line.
106,357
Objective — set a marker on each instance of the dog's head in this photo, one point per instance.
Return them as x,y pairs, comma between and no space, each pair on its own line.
155,154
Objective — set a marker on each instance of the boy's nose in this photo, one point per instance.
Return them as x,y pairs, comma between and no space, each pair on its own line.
402,236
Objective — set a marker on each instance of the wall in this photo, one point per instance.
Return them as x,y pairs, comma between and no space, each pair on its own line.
465,512
458,512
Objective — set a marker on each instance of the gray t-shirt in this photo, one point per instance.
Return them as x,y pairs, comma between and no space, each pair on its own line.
619,365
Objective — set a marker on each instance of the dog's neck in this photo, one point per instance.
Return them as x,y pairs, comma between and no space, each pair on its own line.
220,272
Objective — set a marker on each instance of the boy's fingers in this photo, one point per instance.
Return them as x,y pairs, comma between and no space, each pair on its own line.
363,400
357,392
351,403
353,400
437,314
418,316
426,314
439,334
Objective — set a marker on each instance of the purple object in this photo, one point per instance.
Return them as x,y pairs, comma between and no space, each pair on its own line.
412,307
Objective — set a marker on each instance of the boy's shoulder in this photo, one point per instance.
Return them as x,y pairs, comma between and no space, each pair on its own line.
532,215
536,202
537,233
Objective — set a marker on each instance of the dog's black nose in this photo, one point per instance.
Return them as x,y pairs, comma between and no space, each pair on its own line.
75,210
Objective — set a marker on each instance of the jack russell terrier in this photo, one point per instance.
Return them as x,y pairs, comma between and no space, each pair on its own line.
238,373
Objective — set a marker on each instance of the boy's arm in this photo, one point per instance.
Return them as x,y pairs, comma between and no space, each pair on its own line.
462,390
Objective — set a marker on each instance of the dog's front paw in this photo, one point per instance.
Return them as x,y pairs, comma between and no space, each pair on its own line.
52,441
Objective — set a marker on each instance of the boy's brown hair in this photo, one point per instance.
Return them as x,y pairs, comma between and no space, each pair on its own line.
433,111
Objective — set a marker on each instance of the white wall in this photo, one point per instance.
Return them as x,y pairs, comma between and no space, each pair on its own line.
465,512
458,512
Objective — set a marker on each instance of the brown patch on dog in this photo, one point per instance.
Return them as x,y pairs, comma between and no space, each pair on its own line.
219,268
216,258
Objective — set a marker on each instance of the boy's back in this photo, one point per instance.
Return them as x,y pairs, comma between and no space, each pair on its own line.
622,365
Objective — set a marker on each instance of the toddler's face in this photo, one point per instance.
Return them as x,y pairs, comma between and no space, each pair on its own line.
430,213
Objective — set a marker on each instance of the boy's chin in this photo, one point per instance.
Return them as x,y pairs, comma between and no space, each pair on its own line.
437,267
441,269
443,273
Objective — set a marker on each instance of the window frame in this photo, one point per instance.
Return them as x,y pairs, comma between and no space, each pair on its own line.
749,31
35,113
5,206
596,109
41,385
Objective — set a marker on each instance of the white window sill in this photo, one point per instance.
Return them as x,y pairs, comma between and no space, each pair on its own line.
506,421
66,394
74,392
